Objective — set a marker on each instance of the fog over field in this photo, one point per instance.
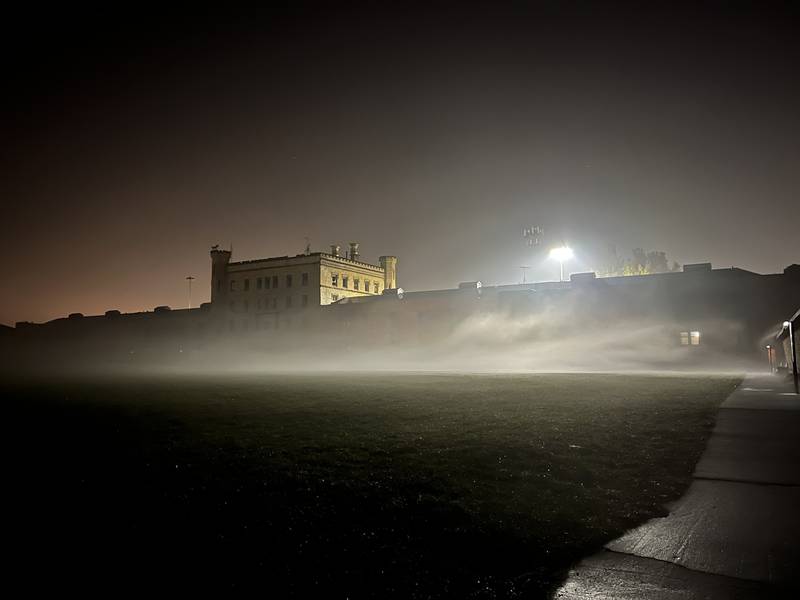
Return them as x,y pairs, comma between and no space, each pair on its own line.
548,341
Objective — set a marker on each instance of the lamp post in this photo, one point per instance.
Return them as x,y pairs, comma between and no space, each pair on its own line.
190,279
793,350
562,254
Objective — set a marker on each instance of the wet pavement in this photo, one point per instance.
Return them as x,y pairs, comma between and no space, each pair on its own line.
736,532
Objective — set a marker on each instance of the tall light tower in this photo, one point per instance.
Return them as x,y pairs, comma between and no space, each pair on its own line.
562,254
190,279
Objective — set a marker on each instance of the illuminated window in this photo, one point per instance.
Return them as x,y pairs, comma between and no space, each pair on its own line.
694,336
344,281
334,280
355,284
684,338
246,285
304,279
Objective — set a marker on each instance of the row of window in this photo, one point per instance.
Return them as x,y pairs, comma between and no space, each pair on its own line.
345,280
690,338
268,303
266,283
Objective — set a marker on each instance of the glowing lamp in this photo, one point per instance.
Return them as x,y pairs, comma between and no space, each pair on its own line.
561,254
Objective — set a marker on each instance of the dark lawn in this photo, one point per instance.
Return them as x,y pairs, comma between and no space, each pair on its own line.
343,486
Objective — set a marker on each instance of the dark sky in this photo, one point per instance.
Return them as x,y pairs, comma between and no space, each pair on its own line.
134,139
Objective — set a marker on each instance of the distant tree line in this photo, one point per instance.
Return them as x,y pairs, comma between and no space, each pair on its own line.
639,263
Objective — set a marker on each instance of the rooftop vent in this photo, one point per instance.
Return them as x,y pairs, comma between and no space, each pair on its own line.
398,292
580,277
335,250
697,267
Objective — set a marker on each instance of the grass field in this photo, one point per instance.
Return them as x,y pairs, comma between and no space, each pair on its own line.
347,485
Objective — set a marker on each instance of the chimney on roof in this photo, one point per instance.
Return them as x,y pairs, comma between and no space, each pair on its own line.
353,251
335,250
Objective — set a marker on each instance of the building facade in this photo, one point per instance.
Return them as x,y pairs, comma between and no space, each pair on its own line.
271,293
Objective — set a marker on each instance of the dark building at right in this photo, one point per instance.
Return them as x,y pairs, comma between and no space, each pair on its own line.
698,313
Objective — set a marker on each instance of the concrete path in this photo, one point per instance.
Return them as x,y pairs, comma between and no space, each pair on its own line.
736,532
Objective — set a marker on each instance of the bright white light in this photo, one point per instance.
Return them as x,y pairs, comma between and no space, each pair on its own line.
786,323
561,254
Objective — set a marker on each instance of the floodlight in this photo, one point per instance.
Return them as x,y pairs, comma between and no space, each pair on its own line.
561,254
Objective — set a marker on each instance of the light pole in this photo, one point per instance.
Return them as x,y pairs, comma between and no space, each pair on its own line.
562,254
793,349
190,279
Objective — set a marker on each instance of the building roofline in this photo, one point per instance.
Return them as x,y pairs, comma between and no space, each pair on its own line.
320,255
350,261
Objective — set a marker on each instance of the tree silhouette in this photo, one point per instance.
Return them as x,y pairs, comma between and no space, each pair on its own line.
639,263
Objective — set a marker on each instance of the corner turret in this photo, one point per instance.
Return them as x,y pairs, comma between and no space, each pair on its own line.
389,266
219,274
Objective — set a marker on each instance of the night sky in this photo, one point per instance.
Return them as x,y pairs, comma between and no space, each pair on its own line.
134,139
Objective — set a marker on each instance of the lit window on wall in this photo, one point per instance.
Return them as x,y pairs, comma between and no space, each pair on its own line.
684,338
694,336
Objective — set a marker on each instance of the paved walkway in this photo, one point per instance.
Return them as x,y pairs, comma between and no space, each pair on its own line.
736,531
